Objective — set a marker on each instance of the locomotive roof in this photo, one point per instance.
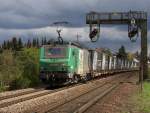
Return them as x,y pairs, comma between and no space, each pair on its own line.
105,51
65,44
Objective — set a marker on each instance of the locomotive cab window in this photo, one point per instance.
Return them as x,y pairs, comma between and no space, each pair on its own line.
55,52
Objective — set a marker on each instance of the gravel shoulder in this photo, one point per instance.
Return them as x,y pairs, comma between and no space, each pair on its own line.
119,100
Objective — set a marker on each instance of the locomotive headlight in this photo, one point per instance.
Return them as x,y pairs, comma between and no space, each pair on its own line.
42,68
71,67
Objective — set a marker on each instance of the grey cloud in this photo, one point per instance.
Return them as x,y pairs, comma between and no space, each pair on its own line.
41,13
22,17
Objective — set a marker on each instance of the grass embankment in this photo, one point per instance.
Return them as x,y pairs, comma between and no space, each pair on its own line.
19,69
143,99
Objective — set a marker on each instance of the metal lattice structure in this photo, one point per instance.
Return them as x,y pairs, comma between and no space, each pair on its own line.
115,17
138,18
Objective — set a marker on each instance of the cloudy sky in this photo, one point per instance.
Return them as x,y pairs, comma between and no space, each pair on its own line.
32,18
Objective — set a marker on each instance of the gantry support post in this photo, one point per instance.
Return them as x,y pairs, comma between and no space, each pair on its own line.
143,58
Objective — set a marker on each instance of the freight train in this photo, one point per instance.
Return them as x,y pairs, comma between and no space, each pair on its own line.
71,63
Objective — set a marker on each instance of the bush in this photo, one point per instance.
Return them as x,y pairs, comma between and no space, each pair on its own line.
28,63
149,72
20,83
20,69
8,68
30,72
2,86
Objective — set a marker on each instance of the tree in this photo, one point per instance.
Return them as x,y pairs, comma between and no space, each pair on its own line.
37,42
8,44
28,44
45,41
42,41
1,49
122,52
34,42
130,56
20,44
14,43
4,45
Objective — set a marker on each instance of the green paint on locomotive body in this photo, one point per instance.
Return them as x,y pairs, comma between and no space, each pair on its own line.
67,64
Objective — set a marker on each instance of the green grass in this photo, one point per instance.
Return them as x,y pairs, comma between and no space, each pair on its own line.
143,99
149,72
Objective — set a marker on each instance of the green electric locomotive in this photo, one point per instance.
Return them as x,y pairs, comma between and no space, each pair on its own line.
63,63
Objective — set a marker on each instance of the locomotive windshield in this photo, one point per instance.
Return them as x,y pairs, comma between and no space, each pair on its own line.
55,52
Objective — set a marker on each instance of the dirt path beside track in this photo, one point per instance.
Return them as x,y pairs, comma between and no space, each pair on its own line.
119,100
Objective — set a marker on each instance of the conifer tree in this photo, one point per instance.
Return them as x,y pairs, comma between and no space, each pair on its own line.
34,42
14,43
8,46
37,42
20,44
25,44
122,52
28,44
42,43
1,49
4,45
45,41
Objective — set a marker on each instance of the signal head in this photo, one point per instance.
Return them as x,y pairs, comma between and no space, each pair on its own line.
94,35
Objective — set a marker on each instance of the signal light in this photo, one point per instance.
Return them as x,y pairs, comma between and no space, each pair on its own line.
132,33
93,34
133,30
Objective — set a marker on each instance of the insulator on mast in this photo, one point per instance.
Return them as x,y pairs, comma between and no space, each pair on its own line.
60,39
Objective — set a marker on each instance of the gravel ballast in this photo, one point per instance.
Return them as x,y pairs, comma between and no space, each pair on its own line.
44,103
52,100
9,93
119,100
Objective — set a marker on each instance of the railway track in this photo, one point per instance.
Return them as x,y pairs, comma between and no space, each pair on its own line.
14,102
14,97
90,107
83,102
11,94
22,92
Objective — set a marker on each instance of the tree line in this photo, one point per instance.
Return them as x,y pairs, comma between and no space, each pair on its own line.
18,44
128,55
